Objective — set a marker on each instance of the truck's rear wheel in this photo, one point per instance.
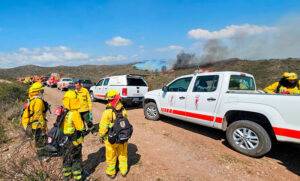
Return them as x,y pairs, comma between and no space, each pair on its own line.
151,111
93,99
249,138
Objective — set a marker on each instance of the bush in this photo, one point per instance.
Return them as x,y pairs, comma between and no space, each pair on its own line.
12,97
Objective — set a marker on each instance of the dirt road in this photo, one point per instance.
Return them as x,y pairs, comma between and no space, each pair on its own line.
171,149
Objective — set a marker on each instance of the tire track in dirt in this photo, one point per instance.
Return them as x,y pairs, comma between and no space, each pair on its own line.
171,149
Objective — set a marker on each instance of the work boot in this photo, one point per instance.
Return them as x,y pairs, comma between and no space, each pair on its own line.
94,131
124,175
85,132
85,174
111,176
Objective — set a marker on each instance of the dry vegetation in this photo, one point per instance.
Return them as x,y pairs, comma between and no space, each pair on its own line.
265,71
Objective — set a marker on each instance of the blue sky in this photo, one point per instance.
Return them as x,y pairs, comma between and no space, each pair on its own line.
73,32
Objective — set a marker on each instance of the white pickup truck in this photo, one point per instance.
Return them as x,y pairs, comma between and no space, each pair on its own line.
132,88
229,101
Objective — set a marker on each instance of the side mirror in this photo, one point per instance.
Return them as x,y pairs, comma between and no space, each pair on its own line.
165,89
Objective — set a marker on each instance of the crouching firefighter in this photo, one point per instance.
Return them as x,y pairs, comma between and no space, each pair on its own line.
34,118
85,106
72,126
115,130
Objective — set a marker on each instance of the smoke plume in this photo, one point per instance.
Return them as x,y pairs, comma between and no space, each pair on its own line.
245,42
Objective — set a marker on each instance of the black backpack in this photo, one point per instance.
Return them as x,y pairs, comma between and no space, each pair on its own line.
56,139
122,129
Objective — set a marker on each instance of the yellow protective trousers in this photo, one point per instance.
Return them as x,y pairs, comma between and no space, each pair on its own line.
112,152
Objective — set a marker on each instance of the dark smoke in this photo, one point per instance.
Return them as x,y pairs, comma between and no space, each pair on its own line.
183,60
213,50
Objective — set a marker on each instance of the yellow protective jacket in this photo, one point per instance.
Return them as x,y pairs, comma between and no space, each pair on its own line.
107,118
85,100
35,112
71,124
272,89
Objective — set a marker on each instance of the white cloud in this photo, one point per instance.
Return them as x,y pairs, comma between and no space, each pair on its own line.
118,41
229,31
53,56
170,48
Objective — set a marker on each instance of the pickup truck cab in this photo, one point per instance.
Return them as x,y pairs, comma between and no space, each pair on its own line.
63,83
132,88
229,101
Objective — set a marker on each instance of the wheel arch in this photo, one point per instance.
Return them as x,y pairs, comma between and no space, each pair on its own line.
259,118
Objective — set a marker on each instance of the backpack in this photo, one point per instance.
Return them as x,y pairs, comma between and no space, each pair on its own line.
122,129
56,139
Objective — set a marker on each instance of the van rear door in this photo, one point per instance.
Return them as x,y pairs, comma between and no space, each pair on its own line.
136,87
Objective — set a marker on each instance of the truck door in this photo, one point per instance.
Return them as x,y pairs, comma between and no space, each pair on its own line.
105,86
98,90
202,99
173,101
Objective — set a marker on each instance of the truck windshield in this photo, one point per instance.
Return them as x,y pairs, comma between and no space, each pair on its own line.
67,80
136,82
241,82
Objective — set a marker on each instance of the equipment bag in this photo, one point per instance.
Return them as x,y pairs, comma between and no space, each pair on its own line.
121,130
56,139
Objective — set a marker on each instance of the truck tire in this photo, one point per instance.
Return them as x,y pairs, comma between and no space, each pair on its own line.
151,111
249,138
93,99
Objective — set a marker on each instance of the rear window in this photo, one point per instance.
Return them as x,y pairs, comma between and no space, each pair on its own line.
87,81
136,82
240,82
67,80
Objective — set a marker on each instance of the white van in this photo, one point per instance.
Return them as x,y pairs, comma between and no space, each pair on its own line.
132,88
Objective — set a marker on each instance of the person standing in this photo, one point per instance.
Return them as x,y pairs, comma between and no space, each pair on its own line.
288,84
73,127
85,106
116,149
34,117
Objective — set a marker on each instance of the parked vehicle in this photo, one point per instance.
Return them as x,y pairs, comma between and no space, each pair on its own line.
63,83
52,81
132,88
229,101
87,83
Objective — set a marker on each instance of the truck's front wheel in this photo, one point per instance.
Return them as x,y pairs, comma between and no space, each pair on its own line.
249,138
93,99
151,111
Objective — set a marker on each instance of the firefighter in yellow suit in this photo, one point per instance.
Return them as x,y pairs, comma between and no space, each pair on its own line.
35,116
113,150
72,126
289,84
85,105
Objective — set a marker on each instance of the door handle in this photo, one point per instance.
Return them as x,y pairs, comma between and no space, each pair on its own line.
211,99
181,97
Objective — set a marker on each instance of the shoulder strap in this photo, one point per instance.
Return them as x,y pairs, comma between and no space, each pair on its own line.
278,87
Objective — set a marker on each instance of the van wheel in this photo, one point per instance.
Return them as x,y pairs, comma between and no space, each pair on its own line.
151,111
248,138
93,99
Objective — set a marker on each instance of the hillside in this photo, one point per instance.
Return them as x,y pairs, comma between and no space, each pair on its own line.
265,71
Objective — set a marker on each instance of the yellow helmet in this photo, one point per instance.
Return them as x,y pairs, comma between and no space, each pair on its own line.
36,87
70,100
285,75
70,94
293,76
111,94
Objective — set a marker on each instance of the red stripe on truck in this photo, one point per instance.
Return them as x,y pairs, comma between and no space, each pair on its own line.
192,115
100,95
286,132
